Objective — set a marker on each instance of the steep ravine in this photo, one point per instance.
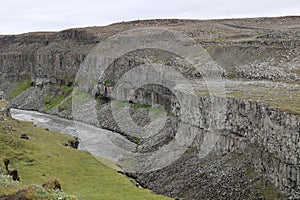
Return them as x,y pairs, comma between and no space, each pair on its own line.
265,137
253,135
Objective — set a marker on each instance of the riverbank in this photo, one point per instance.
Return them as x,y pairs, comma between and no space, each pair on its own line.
99,142
44,157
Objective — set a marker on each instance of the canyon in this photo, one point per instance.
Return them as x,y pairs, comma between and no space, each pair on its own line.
241,142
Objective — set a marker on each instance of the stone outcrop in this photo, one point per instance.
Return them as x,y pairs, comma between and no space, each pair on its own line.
73,143
4,109
44,57
24,136
268,138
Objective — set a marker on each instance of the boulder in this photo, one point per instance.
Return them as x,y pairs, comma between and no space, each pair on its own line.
24,136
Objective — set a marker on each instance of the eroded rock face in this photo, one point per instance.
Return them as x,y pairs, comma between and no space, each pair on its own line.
272,141
266,137
44,58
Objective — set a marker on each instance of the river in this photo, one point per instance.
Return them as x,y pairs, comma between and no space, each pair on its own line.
100,142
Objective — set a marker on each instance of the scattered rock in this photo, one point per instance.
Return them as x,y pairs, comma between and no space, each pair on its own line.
73,143
52,185
10,128
14,174
24,136
6,162
1,95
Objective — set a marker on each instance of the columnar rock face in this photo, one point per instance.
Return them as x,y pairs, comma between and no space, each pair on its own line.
269,138
44,57
273,141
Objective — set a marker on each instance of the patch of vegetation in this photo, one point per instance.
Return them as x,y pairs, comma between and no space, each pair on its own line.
6,181
283,100
231,75
268,190
278,97
118,105
250,172
23,85
80,97
136,139
56,95
203,164
101,99
44,157
39,192
108,83
36,192
66,105
157,111
136,105
2,104
69,81
262,186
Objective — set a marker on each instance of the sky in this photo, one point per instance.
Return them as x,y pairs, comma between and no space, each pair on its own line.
21,16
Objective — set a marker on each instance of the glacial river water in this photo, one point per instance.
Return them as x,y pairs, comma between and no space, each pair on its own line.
99,142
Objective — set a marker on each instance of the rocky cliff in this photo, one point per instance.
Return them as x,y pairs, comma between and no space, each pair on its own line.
259,127
264,136
265,47
44,57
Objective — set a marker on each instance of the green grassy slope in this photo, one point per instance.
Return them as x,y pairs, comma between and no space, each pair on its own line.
22,86
44,157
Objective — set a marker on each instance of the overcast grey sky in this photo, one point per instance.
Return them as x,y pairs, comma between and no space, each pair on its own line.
20,16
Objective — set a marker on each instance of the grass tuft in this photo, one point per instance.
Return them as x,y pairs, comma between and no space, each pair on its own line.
56,95
24,85
118,105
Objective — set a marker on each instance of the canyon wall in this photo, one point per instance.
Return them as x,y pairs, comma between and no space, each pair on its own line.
44,57
267,137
